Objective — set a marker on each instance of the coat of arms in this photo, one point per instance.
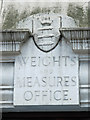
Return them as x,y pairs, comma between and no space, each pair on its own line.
46,31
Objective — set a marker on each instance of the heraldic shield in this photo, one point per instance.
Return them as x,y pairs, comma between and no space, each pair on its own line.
46,31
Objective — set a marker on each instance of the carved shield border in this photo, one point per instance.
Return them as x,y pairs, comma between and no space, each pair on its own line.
46,31
58,38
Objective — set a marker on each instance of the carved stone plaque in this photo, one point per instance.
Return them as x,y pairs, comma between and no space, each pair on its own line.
48,75
46,78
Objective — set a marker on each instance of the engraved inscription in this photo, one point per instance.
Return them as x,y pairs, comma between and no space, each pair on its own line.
42,83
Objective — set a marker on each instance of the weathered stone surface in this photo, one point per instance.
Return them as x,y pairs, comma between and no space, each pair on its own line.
46,78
